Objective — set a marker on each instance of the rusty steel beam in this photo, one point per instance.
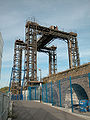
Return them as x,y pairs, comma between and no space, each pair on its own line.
50,63
31,46
73,52
47,36
17,67
30,55
52,60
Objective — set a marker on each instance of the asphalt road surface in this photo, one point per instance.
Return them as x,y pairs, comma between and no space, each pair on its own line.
30,110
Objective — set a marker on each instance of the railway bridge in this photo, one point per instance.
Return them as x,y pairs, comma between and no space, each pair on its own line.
80,78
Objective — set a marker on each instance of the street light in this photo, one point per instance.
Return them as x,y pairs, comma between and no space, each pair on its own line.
40,74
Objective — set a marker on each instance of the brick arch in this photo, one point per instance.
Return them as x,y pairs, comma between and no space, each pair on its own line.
80,91
82,82
78,84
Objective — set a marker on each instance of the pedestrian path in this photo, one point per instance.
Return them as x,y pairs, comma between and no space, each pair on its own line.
30,110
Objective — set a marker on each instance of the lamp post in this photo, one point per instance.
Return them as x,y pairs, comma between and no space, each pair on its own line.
40,74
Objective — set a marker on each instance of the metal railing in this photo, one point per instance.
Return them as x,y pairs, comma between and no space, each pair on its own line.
4,106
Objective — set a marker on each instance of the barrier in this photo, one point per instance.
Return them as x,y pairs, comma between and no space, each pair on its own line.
65,93
4,106
83,105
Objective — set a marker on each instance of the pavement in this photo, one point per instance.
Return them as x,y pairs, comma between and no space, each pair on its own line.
31,110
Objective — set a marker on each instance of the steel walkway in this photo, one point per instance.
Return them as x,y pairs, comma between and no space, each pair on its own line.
30,110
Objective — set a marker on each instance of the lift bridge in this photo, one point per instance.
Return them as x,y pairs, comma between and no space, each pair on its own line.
30,47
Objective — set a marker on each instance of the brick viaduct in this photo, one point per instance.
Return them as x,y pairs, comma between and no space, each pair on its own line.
80,81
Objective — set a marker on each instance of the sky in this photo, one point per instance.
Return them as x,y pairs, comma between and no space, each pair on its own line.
68,15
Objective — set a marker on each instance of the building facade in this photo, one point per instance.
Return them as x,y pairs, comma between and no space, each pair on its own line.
1,50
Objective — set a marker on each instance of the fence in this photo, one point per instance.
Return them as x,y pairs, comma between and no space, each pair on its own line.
63,93
55,93
33,93
4,106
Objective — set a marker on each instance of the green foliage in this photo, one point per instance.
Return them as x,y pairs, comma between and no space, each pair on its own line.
4,89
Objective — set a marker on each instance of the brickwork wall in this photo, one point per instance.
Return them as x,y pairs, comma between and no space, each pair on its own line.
79,76
83,69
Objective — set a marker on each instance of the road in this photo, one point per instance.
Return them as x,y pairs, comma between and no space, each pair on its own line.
30,110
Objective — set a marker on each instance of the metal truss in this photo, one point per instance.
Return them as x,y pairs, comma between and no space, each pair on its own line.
32,45
17,67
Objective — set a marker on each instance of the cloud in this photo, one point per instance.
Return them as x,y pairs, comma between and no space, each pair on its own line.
85,53
69,15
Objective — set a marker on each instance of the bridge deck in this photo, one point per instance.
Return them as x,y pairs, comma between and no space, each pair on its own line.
29,110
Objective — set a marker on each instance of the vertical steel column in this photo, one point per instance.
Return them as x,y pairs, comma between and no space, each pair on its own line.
30,93
30,53
17,68
35,93
60,93
71,93
42,92
89,79
54,61
20,71
22,86
51,94
77,52
50,63
10,80
69,53
46,93
73,52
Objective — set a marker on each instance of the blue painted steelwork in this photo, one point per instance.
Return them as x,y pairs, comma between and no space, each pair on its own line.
88,105
30,93
17,69
10,80
46,93
89,79
21,96
29,89
83,105
42,92
60,93
51,94
17,97
71,93
35,93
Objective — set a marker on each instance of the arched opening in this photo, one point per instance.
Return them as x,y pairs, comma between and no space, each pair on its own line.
78,93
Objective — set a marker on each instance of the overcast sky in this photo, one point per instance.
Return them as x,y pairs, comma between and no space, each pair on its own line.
68,15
